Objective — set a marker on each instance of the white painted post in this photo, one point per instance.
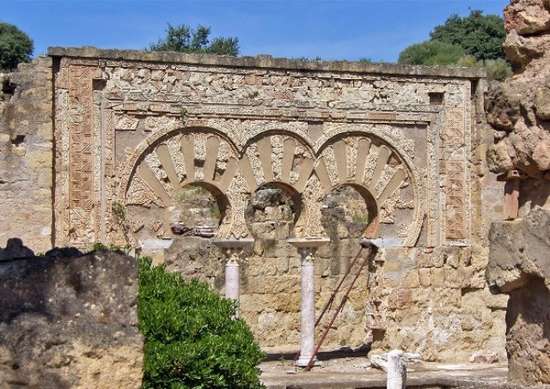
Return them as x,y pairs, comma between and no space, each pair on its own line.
307,311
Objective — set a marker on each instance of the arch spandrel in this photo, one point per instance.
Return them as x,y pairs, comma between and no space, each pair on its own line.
369,161
206,155
280,156
176,159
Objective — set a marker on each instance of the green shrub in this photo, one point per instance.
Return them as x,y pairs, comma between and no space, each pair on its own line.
498,69
191,337
431,53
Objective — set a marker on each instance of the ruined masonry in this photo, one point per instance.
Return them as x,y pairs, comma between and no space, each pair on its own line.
168,152
519,260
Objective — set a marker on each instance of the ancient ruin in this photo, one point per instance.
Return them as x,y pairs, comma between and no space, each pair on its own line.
261,176
519,112
167,152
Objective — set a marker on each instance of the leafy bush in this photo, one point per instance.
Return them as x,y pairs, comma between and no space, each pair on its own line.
15,46
191,337
431,53
497,69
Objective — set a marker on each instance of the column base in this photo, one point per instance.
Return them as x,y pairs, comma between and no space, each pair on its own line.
304,360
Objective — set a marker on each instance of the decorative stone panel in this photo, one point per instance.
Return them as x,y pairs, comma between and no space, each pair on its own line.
136,132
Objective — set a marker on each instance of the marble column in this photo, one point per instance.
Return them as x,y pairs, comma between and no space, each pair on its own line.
233,250
307,249
232,275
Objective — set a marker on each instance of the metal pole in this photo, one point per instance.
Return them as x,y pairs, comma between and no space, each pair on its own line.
372,250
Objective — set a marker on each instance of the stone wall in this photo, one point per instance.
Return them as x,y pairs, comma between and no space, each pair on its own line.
519,265
165,151
26,154
519,112
70,322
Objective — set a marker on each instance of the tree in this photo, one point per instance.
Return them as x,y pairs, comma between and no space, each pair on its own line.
473,41
431,53
15,46
184,39
192,338
479,35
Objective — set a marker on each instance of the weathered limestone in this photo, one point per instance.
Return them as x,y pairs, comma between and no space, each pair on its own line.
26,154
519,265
519,259
519,251
517,108
70,322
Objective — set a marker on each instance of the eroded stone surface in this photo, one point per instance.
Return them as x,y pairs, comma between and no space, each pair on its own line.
70,322
519,251
26,154
519,259
519,108
519,265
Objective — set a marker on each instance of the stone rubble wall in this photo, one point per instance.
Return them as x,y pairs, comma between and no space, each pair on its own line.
70,322
26,154
519,259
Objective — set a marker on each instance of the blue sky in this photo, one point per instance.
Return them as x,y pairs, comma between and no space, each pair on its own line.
330,29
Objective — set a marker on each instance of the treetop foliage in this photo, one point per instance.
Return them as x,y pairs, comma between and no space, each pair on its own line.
184,39
479,35
475,40
15,46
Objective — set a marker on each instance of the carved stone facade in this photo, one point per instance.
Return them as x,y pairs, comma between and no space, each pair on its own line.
330,149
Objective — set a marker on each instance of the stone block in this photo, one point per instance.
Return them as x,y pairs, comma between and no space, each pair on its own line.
453,278
70,322
411,280
438,277
519,249
424,277
285,302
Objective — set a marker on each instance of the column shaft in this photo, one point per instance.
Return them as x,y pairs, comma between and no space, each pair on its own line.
232,280
307,344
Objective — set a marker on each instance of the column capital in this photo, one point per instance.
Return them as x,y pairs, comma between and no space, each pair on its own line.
308,246
233,248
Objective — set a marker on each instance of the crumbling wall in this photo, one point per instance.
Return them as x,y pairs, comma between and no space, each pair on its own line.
26,154
69,321
519,263
519,109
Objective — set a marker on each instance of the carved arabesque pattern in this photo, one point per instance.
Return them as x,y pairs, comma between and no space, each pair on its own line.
202,155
